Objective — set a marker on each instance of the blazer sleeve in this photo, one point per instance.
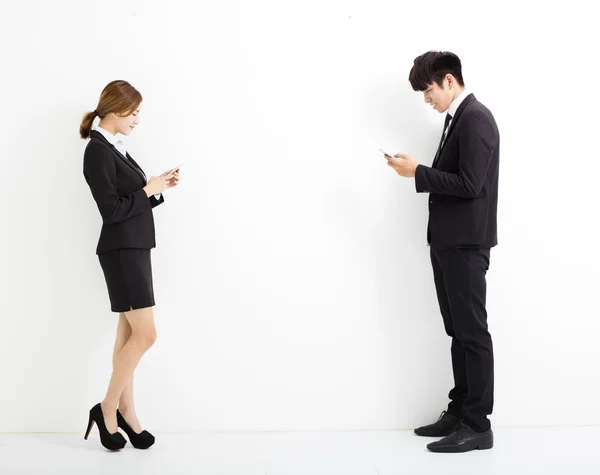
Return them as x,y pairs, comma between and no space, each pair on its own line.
154,201
477,140
101,174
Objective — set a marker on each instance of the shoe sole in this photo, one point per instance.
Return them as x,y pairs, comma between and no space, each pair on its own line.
460,450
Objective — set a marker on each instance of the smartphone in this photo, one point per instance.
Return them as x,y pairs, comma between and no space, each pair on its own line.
391,155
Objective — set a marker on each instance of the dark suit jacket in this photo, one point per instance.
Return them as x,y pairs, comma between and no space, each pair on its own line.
463,182
117,184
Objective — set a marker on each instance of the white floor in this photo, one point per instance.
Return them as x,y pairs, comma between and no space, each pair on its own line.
561,451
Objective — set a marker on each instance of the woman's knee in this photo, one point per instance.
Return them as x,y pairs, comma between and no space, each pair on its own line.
150,337
142,325
146,336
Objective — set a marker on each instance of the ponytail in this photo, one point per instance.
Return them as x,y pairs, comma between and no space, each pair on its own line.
85,129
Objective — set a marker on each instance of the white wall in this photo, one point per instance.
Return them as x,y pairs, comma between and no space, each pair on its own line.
293,284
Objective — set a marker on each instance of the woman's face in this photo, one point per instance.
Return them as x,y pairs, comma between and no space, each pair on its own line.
125,124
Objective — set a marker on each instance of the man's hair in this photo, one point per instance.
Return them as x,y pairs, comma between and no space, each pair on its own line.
432,67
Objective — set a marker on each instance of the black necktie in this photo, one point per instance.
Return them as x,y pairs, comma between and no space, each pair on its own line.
439,150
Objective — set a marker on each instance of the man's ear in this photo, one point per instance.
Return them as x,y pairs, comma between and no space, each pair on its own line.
452,81
449,79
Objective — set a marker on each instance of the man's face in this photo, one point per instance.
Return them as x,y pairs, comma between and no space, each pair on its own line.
438,97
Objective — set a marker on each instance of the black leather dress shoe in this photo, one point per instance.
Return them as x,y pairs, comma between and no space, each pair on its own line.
445,425
463,439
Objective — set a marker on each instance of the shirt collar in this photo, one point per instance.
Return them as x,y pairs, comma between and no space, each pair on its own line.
112,139
457,102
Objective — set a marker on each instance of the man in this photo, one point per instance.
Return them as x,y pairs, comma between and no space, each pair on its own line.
463,193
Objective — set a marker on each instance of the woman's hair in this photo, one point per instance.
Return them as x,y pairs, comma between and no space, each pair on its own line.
118,97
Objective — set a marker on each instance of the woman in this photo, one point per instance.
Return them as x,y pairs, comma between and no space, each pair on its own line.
125,200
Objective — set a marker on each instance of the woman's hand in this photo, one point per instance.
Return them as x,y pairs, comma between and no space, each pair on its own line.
174,180
158,184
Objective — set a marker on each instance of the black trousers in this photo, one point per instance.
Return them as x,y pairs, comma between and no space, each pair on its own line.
459,276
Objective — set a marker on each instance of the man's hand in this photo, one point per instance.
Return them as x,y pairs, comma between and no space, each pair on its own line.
404,165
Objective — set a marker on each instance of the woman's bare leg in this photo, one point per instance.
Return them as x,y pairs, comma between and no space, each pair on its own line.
126,404
143,335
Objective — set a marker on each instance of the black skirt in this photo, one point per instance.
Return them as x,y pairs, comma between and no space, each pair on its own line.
128,274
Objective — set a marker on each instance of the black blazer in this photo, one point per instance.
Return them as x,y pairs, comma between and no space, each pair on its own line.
463,182
117,184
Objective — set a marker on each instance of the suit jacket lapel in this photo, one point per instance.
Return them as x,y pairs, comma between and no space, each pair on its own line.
139,169
455,119
129,161
459,111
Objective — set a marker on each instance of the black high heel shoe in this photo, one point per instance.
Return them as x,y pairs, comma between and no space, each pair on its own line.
143,440
114,441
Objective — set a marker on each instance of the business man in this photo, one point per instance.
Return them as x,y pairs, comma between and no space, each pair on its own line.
463,193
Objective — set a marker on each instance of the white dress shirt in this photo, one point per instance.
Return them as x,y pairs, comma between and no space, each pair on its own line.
118,144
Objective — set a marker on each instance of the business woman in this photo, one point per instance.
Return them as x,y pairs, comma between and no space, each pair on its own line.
125,199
